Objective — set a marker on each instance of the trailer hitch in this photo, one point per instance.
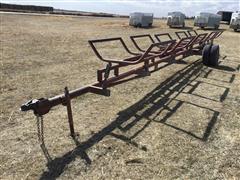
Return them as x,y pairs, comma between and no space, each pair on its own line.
39,106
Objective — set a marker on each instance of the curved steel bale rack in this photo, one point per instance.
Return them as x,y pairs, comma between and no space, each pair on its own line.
159,50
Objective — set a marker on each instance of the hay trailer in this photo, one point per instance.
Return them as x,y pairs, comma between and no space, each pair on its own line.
176,19
235,21
139,19
162,48
209,20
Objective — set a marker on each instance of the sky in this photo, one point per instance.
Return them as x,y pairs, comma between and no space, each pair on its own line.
124,7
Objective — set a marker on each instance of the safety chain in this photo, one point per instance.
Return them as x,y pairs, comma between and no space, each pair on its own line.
40,131
40,134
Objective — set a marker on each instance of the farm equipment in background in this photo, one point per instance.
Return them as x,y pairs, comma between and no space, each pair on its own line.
159,51
176,19
235,21
226,16
208,20
138,19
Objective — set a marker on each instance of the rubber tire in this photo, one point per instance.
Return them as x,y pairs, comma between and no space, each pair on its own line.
206,54
214,56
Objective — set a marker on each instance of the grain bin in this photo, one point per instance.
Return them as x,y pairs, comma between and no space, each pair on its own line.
138,19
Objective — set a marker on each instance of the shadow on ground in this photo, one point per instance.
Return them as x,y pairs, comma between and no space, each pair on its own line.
183,28
150,106
211,29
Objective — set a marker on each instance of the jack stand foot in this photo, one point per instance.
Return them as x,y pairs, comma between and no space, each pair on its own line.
74,136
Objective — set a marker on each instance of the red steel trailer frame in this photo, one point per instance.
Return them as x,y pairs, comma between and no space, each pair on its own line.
157,52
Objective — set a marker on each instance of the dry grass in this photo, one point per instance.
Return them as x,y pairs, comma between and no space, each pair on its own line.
180,122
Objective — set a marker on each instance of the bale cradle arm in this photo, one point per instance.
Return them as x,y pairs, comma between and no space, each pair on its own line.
138,58
211,36
118,39
172,49
147,58
162,45
180,45
192,33
133,39
197,40
157,36
178,34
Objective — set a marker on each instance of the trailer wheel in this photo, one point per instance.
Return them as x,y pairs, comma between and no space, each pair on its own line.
235,30
214,55
206,54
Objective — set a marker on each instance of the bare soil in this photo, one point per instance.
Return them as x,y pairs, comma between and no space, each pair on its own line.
182,122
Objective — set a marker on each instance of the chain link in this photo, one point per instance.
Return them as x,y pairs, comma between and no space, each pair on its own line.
40,133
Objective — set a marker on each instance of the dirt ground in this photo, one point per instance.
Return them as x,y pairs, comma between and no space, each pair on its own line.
181,122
